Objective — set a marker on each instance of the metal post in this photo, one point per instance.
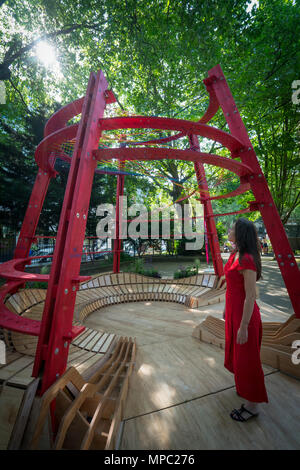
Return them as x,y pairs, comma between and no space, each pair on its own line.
118,241
33,211
56,327
208,211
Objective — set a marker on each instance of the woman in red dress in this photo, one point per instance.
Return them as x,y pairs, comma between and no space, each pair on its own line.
243,327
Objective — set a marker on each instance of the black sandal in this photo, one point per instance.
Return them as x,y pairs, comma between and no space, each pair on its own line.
237,414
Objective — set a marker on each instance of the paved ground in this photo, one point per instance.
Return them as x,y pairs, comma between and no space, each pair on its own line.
272,289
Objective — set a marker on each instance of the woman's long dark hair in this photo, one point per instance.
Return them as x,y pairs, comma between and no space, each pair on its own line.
246,241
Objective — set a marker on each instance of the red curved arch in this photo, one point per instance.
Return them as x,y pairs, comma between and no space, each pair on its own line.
10,320
213,107
186,127
11,270
52,142
60,119
242,211
236,167
243,187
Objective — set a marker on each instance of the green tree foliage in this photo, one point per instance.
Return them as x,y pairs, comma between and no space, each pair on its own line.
155,55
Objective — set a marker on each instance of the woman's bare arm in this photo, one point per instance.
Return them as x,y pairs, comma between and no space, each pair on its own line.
250,291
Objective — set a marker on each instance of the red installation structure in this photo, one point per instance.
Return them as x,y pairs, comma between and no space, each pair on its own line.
55,330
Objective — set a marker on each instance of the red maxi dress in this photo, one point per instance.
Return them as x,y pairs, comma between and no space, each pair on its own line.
243,360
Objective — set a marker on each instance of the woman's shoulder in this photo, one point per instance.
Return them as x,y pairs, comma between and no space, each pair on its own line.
247,254
247,261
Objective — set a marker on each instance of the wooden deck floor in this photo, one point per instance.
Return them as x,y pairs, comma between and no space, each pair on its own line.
180,394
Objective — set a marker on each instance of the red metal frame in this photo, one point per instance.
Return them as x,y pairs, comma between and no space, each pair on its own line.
148,154
259,186
117,240
208,211
55,331
56,328
186,127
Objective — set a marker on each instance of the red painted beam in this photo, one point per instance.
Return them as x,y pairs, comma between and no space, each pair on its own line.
60,119
259,186
53,346
236,167
213,107
208,211
187,127
52,143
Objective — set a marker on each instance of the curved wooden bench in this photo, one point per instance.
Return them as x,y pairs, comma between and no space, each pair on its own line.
30,303
9,316
13,272
115,279
92,346
110,289
92,418
277,341
19,304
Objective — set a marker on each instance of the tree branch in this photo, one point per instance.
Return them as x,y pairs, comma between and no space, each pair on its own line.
110,84
10,58
156,182
20,94
22,138
292,207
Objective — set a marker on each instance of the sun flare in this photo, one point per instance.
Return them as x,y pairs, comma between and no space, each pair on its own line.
46,54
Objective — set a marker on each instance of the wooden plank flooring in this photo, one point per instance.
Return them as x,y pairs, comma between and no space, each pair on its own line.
205,424
10,402
176,371
148,321
180,394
